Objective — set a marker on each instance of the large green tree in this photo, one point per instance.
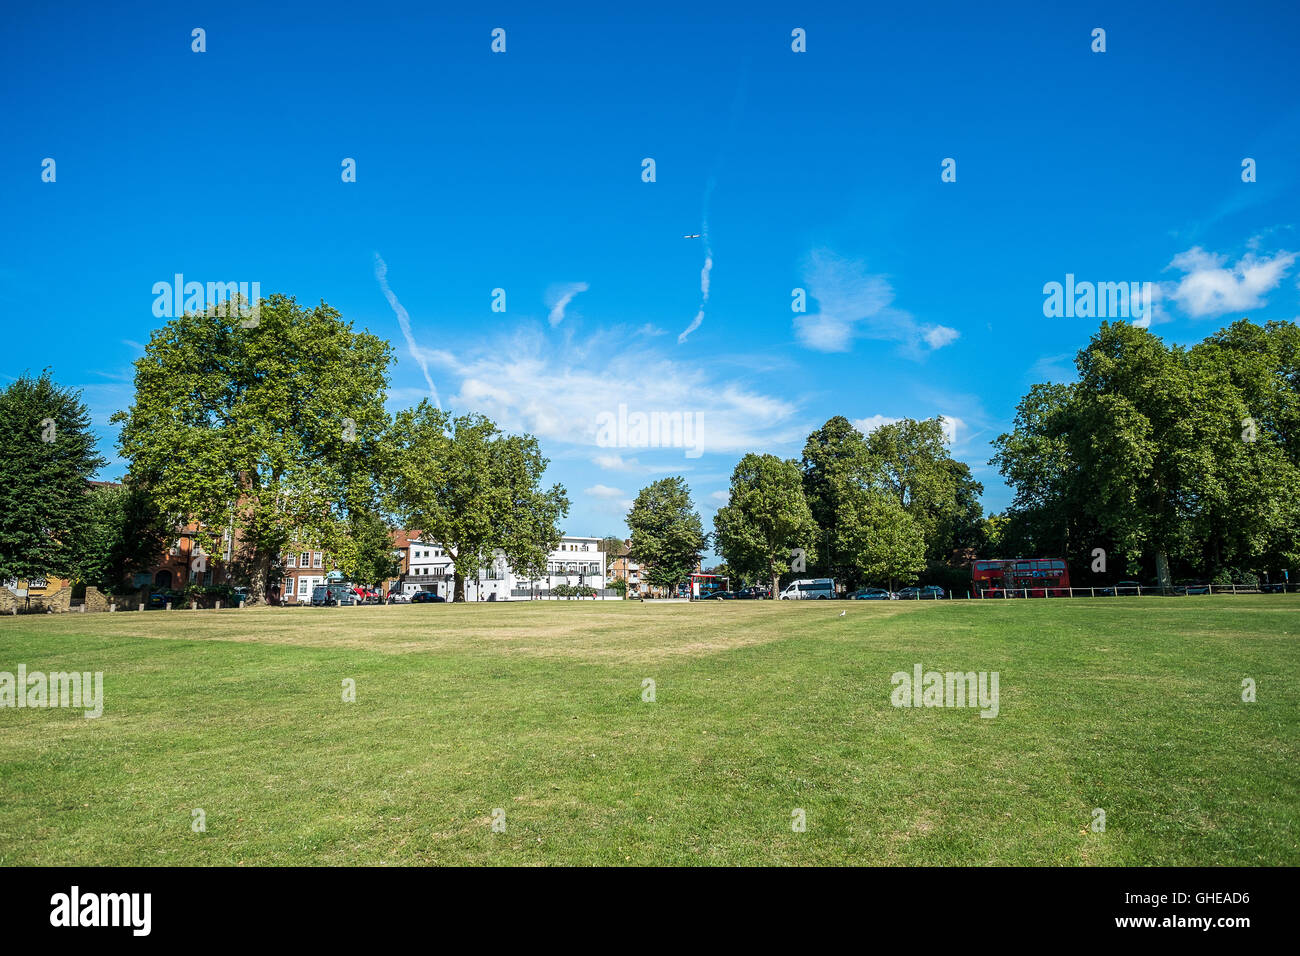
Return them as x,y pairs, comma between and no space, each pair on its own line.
885,541
473,490
1251,519
49,456
836,466
914,467
271,433
1163,458
668,537
766,518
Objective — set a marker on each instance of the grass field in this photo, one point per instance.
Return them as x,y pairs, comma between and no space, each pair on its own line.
1130,705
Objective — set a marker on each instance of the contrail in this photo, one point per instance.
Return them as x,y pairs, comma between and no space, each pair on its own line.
708,266
737,107
404,320
563,296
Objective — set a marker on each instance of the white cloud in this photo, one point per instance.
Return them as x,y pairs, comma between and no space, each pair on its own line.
855,303
558,298
869,425
721,497
557,390
1212,287
615,462
938,336
603,491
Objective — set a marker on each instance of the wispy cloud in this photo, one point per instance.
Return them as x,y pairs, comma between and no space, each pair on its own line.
558,298
1054,368
404,320
855,303
559,389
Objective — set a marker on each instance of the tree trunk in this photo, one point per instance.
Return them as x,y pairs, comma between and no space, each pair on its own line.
776,578
1162,571
458,592
259,573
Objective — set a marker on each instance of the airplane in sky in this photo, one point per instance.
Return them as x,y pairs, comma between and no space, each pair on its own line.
696,236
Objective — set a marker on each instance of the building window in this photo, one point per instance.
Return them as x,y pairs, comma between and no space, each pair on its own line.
302,560
316,559
302,587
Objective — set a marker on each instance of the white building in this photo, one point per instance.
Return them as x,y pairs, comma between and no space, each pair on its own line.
574,561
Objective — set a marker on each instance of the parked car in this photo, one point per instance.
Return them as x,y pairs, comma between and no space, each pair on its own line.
1273,587
1192,589
718,596
333,595
427,597
1123,588
873,594
931,592
397,597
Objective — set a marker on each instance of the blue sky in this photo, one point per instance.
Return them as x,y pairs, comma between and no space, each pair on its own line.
523,171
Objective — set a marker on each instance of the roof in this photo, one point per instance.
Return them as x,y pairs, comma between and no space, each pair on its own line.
403,539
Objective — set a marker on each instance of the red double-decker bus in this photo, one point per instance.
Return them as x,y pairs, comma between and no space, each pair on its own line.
1020,577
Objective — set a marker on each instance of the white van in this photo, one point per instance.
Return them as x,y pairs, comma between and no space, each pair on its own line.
808,589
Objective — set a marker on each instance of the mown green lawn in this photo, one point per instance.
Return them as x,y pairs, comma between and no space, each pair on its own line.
1130,705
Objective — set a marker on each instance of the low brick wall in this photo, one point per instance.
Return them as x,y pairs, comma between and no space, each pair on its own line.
96,600
57,602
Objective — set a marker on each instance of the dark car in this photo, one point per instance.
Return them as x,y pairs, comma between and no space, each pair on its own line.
873,594
1192,589
1273,587
1123,588
931,592
427,597
718,596
158,600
